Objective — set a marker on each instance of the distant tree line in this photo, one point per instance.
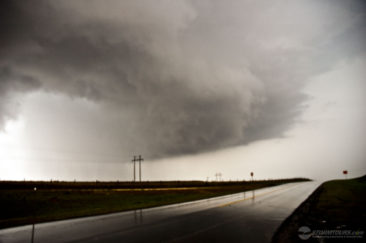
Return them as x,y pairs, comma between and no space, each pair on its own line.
145,184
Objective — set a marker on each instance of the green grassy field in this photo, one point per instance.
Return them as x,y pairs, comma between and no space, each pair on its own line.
335,205
20,204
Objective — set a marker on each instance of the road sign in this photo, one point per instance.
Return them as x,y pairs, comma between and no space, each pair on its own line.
345,172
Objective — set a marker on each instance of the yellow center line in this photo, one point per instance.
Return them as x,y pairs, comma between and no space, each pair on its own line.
244,199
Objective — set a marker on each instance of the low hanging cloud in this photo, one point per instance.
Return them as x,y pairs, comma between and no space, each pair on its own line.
192,76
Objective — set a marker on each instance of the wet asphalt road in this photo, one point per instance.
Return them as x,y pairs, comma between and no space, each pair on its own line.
251,216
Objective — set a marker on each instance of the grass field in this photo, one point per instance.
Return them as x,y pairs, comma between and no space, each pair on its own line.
335,205
20,204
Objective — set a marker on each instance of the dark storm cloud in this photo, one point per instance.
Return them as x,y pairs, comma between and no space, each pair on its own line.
192,77
12,84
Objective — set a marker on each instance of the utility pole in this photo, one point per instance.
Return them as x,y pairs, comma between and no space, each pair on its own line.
139,159
218,176
134,168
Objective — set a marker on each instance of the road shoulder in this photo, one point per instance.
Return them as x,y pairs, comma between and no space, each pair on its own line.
334,212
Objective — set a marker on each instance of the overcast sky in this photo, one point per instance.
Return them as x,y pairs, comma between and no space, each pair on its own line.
195,87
